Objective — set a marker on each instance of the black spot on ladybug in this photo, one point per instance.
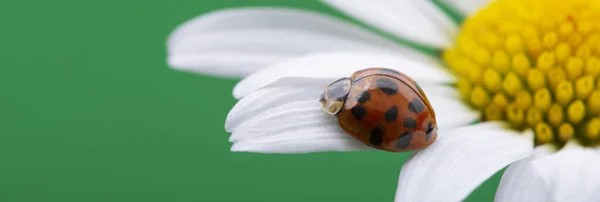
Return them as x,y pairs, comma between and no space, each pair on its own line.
416,106
363,97
376,136
388,86
389,71
429,131
391,114
410,122
359,112
404,140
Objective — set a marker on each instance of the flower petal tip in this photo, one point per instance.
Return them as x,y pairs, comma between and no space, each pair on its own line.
471,153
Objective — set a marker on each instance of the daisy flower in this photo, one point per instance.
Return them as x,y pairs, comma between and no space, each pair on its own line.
513,83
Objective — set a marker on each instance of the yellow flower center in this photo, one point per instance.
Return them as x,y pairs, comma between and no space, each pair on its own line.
534,64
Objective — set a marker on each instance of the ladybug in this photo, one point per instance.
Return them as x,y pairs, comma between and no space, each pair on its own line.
383,108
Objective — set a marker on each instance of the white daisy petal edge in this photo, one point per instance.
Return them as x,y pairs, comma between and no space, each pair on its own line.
571,174
521,183
286,117
335,65
467,7
237,42
448,108
459,161
416,21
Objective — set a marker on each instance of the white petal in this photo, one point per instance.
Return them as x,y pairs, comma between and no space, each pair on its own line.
414,20
521,183
286,117
449,118
280,92
432,11
335,65
572,174
450,111
237,42
440,90
467,7
459,161
298,127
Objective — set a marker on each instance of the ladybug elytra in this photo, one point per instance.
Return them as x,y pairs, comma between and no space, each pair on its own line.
382,108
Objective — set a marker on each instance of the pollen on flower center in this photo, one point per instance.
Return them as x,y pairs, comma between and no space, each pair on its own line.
534,64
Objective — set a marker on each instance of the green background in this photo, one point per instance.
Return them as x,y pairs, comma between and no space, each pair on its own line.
89,111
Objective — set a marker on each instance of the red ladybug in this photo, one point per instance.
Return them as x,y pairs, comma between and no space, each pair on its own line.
382,108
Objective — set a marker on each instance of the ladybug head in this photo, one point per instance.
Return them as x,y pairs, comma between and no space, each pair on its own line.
334,96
